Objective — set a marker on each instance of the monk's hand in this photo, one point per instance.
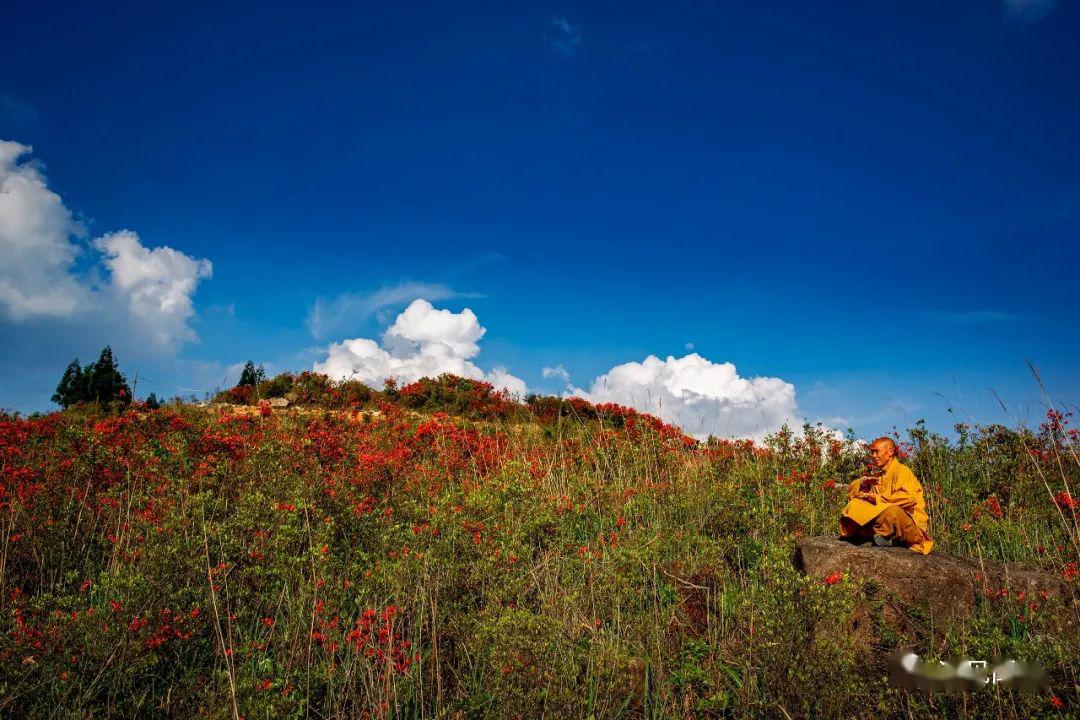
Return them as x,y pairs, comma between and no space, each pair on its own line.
870,497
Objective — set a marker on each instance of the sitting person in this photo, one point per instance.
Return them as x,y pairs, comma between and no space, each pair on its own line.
889,509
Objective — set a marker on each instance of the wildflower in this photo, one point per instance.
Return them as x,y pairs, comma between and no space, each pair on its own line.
1057,702
1065,501
833,578
1071,571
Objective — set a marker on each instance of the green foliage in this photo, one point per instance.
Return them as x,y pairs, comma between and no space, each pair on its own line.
72,388
251,375
540,559
278,386
99,382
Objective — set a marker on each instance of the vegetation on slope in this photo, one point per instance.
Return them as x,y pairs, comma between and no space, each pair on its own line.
370,555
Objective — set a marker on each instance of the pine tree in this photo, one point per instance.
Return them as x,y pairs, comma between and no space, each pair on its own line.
72,387
251,375
105,384
152,403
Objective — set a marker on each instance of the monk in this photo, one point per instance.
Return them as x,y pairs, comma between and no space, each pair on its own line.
889,509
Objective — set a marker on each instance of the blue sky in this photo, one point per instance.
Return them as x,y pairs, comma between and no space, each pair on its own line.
875,202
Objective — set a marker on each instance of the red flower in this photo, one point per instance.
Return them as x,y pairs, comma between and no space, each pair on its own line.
833,578
1057,702
1065,501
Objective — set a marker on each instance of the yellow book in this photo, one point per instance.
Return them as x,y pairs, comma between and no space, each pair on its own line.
862,512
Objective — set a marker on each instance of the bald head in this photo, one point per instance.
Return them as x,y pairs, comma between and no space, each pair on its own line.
883,450
885,441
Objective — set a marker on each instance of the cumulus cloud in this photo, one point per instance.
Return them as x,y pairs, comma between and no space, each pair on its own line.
557,372
702,397
344,312
422,342
36,251
145,292
155,285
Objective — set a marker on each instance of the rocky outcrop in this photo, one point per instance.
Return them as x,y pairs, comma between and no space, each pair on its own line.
938,585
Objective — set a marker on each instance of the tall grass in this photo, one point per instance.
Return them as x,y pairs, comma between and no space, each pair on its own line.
391,563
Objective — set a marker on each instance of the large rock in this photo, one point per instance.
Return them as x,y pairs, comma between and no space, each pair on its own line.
939,586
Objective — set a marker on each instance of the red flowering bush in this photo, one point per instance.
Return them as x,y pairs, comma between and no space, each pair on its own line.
439,548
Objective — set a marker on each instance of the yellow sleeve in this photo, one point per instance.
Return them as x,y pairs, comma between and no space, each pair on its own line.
853,489
905,491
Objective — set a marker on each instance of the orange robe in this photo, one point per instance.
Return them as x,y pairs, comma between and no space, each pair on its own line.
897,511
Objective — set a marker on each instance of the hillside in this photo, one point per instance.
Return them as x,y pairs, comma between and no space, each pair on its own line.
442,550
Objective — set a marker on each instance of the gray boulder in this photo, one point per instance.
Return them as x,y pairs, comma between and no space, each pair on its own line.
937,586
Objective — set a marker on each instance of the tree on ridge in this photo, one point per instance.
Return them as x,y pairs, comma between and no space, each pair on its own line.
98,382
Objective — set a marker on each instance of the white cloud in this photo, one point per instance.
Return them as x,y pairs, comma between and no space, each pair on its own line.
501,378
702,397
557,372
145,293
836,421
155,285
422,342
345,311
36,252
439,332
